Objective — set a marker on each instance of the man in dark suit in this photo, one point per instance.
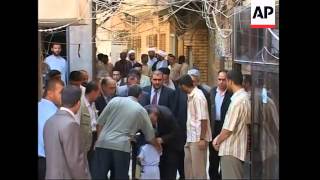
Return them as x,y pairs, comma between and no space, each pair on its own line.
181,115
108,88
168,135
117,77
157,93
220,100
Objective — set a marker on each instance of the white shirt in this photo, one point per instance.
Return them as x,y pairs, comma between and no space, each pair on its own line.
237,118
133,62
69,111
170,85
197,112
58,63
218,102
118,83
149,155
145,81
164,63
153,93
92,112
151,61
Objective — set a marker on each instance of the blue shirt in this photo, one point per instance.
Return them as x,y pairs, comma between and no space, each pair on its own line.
218,101
60,64
46,109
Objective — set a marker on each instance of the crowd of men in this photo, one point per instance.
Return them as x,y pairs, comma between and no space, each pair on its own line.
155,113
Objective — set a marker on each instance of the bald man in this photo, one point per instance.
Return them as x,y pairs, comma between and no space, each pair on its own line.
85,77
108,91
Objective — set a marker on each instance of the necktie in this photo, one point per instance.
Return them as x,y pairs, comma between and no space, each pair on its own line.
155,97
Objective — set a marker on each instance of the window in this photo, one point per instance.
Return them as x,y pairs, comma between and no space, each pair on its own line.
137,42
255,44
162,42
152,41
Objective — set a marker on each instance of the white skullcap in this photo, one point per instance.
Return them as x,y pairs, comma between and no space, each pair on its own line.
162,53
152,49
131,51
194,72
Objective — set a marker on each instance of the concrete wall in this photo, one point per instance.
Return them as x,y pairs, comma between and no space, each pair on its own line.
81,35
60,12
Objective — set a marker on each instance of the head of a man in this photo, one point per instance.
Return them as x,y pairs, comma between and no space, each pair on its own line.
85,77
138,67
123,56
100,57
116,74
53,90
234,80
54,74
144,59
157,79
108,86
92,91
71,98
105,59
247,82
151,53
56,49
186,83
132,55
166,74
171,59
135,91
75,78
195,76
181,59
222,80
161,55
154,113
133,77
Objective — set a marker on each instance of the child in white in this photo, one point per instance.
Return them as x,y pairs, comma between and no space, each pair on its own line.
150,159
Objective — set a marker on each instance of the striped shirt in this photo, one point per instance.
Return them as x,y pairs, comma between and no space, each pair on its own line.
237,118
197,111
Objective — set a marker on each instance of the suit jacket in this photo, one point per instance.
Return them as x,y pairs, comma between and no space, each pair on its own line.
181,111
224,107
65,158
121,82
169,130
85,125
101,103
167,97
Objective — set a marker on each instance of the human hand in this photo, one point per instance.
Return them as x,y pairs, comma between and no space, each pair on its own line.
216,147
202,144
215,144
159,140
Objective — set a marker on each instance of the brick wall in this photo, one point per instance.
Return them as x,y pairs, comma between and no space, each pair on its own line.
197,39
